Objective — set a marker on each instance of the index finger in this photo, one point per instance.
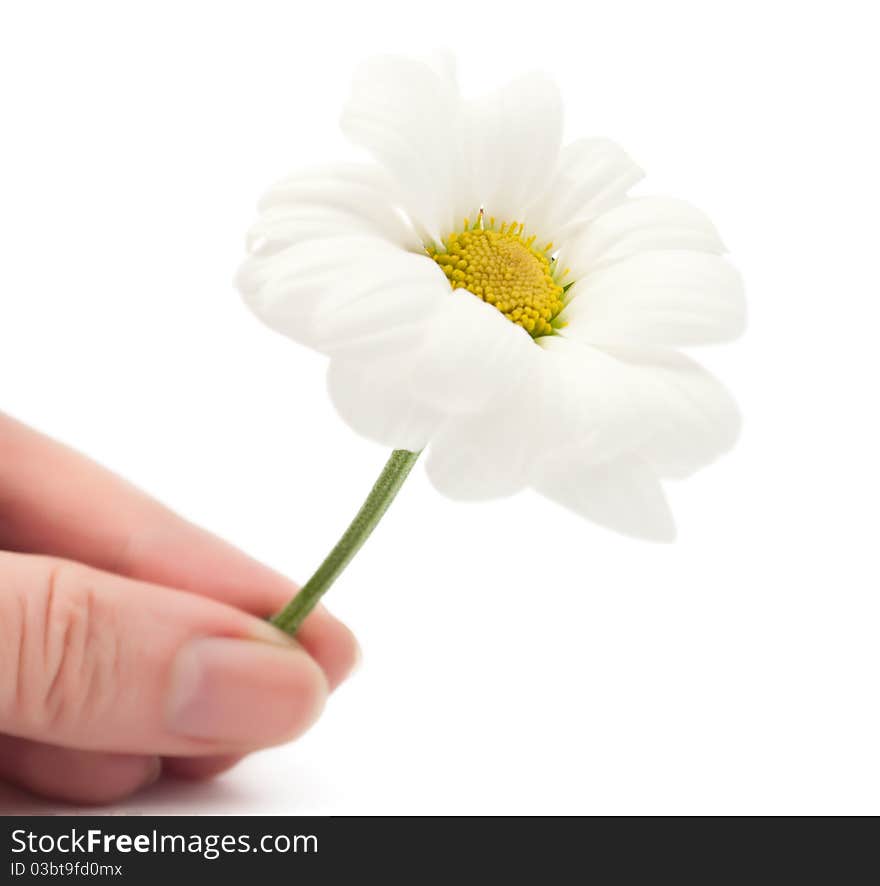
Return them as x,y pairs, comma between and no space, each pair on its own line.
55,501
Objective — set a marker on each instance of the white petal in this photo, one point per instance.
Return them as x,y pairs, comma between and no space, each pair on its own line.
639,225
333,201
374,398
593,175
471,354
344,295
589,409
406,113
650,402
624,495
667,297
489,454
284,289
691,417
512,139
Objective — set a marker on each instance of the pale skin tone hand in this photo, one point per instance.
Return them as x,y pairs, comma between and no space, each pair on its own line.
134,643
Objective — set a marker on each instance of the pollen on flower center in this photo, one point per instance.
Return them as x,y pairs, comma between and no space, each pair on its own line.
505,269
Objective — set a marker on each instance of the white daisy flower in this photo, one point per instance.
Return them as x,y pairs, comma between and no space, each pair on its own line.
488,293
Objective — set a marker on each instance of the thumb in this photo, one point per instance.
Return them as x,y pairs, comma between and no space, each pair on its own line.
94,661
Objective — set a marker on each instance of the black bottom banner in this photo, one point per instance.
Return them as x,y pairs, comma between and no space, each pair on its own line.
412,850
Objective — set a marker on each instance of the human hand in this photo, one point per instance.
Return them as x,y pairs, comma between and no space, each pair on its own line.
132,642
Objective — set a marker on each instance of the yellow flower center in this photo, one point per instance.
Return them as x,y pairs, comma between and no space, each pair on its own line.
504,269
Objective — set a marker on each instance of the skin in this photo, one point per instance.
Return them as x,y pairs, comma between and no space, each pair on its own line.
132,643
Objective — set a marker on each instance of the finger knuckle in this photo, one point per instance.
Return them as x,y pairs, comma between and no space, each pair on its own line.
67,659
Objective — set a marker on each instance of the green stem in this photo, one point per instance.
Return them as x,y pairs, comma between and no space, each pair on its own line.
367,518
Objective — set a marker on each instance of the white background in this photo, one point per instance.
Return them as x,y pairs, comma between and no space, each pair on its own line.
517,660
